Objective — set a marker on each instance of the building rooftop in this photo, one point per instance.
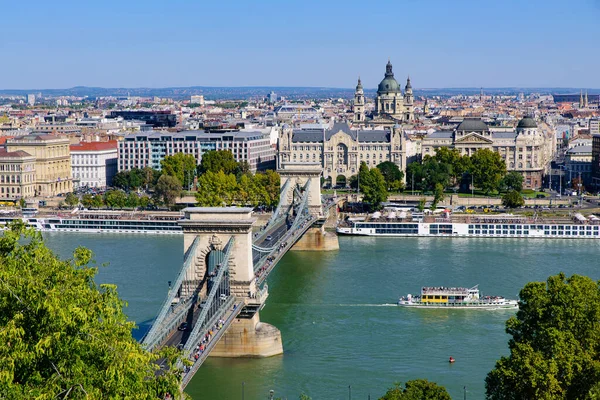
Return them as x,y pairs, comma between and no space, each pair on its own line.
195,135
36,137
316,135
440,135
527,122
473,125
580,149
14,154
94,146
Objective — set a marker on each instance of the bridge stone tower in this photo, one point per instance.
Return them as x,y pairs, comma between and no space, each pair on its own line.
299,174
316,238
215,226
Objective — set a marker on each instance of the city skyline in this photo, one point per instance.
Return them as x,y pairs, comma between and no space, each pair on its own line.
308,44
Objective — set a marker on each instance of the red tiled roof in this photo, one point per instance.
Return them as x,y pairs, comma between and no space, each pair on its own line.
18,153
3,139
95,146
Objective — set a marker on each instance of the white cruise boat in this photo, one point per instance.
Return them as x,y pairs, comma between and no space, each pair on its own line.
456,297
103,222
484,226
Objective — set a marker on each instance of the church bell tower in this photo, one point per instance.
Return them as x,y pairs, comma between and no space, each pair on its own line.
359,103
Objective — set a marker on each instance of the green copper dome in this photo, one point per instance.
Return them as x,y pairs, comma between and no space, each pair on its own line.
389,83
527,122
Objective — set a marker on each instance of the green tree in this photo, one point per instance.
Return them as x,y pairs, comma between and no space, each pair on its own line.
121,180
415,175
215,161
64,336
71,200
247,192
144,201
554,345
115,199
22,202
136,178
216,189
487,168
181,166
372,186
435,172
418,389
151,176
353,182
512,199
243,168
438,195
132,200
97,201
391,173
167,189
512,181
421,205
268,183
87,200
458,164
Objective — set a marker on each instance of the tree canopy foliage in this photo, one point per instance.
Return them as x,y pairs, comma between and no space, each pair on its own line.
216,189
448,168
63,336
554,345
181,166
512,181
392,174
372,186
167,189
513,199
418,389
487,168
221,160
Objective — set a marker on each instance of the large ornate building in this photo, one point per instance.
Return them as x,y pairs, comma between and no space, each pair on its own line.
526,149
340,149
52,162
390,103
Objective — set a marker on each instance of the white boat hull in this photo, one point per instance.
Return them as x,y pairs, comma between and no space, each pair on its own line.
507,305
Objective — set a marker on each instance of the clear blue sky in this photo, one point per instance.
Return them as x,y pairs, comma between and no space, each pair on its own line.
159,43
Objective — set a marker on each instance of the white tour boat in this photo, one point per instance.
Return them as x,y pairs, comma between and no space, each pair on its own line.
456,297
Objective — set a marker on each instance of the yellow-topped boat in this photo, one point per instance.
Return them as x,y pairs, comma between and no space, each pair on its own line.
456,297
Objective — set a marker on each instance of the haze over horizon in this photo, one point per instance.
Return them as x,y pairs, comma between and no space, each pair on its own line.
152,44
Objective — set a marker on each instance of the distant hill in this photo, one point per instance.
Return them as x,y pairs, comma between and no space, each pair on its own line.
255,92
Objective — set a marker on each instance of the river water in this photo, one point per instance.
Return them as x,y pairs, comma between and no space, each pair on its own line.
336,310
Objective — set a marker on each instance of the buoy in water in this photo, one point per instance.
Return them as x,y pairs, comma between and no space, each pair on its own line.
451,360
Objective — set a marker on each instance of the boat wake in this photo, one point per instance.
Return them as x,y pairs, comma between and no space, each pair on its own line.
368,305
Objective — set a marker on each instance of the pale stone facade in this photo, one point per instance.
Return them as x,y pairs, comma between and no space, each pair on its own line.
17,175
52,162
340,149
526,150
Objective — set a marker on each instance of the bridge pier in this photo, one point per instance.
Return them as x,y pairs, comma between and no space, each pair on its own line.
249,337
317,239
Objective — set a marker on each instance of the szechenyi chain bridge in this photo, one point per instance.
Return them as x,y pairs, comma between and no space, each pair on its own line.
212,307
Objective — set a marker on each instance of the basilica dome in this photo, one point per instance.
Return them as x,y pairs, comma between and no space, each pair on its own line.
389,83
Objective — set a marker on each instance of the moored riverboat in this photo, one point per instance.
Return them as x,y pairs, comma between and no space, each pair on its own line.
103,222
456,297
488,226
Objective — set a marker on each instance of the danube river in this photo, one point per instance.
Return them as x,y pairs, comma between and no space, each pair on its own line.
336,310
